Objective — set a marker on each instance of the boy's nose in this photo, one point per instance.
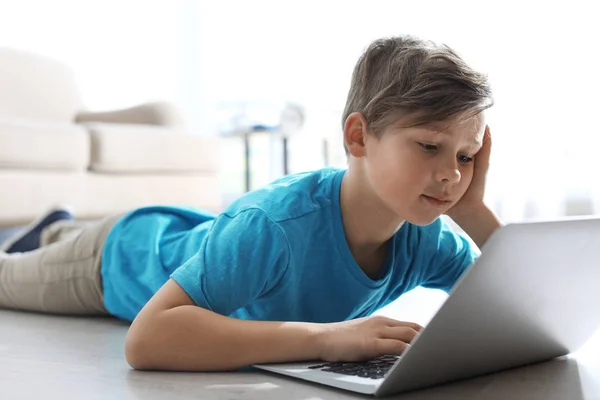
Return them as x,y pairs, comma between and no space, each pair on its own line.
448,175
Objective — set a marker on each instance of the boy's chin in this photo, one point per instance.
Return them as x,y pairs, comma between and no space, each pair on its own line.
423,220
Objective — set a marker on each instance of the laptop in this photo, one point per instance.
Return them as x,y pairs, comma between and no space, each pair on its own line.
532,296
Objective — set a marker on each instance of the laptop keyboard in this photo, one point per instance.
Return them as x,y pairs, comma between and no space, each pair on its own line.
374,369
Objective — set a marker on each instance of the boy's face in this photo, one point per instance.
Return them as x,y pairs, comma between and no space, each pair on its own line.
421,172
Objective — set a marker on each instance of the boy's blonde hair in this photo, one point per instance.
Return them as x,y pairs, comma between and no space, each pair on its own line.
405,76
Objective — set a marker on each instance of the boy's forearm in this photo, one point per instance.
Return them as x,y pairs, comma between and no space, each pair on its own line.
478,224
189,338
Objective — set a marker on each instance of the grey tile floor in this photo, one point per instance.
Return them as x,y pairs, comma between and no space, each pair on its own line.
52,357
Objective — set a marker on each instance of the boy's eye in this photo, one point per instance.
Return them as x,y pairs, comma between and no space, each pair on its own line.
431,148
428,147
465,159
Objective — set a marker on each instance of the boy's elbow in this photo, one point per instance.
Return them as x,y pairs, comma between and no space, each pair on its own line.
141,341
135,355
150,340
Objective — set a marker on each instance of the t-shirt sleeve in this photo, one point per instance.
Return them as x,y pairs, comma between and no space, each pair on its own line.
450,254
241,257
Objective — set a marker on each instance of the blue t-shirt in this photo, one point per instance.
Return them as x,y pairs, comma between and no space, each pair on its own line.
278,253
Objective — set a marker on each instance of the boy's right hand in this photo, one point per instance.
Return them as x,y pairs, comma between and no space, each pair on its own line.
365,338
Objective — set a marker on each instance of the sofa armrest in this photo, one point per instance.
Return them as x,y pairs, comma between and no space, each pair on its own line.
163,114
137,148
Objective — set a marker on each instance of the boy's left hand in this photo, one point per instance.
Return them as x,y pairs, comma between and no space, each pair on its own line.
470,212
472,200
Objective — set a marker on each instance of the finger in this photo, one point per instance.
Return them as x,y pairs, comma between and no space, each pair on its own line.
402,333
390,346
413,325
486,147
482,158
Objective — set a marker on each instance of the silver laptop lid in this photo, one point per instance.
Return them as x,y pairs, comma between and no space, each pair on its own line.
534,294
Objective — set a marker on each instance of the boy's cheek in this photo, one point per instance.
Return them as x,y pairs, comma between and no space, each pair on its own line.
467,177
465,186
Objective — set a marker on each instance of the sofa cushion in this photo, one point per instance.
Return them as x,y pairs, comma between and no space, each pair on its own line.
37,87
118,148
29,193
29,145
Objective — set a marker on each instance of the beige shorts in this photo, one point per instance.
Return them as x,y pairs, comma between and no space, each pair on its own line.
63,275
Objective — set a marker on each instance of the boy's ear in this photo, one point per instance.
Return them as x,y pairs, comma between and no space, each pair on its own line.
355,130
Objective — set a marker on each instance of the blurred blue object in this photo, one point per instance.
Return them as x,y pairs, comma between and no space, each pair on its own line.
244,118
237,118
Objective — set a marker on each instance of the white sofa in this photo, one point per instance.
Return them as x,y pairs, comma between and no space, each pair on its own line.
54,151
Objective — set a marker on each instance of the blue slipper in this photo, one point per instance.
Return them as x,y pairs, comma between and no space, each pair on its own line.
29,239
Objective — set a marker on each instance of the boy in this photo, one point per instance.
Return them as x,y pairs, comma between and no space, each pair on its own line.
292,271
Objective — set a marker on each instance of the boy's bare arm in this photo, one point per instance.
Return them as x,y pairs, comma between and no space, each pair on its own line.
171,333
479,224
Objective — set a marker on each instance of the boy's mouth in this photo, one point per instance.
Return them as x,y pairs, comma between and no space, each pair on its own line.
436,201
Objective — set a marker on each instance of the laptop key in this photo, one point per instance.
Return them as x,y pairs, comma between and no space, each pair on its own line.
374,369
